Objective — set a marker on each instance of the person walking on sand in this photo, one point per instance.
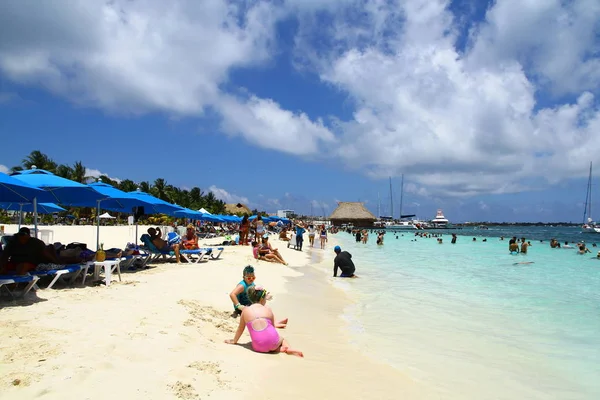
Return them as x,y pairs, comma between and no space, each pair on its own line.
343,261
260,321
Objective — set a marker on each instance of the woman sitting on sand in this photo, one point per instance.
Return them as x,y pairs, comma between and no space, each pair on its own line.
260,321
265,254
267,246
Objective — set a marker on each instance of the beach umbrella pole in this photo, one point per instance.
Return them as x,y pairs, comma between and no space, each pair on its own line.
35,217
98,225
20,215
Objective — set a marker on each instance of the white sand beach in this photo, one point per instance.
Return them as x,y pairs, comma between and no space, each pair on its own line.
159,334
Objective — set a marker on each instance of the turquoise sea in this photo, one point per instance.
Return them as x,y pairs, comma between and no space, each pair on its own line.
471,321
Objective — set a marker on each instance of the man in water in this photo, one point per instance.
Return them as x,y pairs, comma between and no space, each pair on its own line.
343,261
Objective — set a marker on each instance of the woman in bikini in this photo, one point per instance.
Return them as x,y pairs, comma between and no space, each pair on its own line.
267,246
311,235
260,228
260,321
265,254
323,236
244,227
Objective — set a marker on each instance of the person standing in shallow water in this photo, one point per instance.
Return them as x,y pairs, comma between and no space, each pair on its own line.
524,246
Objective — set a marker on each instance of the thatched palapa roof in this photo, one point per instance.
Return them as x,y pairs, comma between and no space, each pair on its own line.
347,211
237,208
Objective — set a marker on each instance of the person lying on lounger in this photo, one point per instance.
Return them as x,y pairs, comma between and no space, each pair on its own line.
23,254
161,244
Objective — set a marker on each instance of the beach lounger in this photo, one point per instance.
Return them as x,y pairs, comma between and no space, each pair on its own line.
202,252
155,253
186,254
6,280
59,273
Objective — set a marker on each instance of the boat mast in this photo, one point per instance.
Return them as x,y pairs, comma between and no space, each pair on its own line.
401,195
378,206
391,199
587,209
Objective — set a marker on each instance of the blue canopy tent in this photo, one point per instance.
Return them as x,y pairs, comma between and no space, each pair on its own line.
62,191
42,208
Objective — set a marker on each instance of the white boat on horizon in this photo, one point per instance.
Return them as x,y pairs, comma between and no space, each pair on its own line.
589,226
439,221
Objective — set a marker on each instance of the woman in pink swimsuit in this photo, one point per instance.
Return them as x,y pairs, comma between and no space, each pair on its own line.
259,320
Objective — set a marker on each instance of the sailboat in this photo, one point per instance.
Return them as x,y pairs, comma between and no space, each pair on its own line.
403,224
589,226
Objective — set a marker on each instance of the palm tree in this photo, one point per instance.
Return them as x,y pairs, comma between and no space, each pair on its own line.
145,187
127,185
78,174
159,189
40,161
64,171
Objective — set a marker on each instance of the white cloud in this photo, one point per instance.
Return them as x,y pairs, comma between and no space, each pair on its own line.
451,122
134,57
96,173
4,169
458,122
227,197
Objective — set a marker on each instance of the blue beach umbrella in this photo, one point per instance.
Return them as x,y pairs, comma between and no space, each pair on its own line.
187,213
157,206
211,218
62,191
116,200
13,190
42,208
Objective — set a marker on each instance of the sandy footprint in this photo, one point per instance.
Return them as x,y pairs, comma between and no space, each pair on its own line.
201,313
211,368
184,390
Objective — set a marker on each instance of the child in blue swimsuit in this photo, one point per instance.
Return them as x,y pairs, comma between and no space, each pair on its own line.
239,294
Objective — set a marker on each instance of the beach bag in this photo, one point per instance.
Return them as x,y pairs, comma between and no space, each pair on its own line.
173,238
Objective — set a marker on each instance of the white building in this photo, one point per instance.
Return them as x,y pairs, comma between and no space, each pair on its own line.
284,213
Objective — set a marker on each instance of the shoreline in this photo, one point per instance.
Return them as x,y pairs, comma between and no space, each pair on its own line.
159,334
333,367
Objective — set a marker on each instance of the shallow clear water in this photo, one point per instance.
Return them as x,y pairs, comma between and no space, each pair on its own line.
467,321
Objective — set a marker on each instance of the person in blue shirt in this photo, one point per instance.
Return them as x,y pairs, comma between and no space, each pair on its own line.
299,232
239,295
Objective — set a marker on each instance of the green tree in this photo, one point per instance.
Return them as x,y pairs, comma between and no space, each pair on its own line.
78,174
145,187
128,185
64,171
159,189
40,161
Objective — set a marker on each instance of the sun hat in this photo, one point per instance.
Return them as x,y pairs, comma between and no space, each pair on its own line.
190,226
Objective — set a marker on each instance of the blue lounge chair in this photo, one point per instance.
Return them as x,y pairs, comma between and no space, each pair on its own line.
74,269
155,253
10,279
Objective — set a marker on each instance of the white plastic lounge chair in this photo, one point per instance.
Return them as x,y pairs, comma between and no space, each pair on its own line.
10,279
212,255
186,255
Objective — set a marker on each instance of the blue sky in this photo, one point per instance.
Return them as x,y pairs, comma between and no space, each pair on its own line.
490,109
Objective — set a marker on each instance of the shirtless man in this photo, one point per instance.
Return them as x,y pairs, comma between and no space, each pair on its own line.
161,244
524,246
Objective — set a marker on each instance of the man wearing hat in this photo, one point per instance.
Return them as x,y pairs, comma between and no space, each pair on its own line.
343,261
22,253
